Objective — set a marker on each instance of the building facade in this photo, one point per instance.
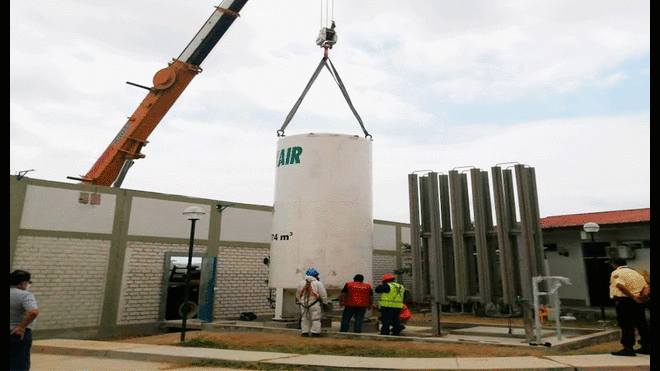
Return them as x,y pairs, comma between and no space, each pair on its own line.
108,261
582,257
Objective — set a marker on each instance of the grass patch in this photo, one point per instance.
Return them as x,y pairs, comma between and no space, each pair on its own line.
325,347
204,342
253,365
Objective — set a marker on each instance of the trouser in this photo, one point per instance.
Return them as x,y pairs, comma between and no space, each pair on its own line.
358,313
19,353
310,318
631,316
390,317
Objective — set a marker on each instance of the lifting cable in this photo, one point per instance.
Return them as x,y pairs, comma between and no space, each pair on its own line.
327,38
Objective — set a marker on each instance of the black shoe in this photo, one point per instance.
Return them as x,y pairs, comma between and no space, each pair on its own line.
643,350
315,335
628,352
304,334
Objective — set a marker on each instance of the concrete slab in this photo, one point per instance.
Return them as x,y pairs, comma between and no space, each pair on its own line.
370,363
59,362
490,331
178,354
604,362
511,363
81,347
146,352
83,344
174,354
488,340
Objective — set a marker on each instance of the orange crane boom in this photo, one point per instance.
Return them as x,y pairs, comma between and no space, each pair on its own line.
168,84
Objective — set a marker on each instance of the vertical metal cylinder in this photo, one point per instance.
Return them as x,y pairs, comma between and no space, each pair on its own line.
415,238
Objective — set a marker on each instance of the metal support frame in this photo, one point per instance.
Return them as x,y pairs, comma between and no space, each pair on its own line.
553,283
464,259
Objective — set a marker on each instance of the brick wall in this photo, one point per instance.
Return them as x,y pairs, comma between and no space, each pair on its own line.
72,271
68,277
382,263
241,282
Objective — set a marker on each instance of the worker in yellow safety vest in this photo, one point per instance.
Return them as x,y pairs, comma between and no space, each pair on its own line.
391,302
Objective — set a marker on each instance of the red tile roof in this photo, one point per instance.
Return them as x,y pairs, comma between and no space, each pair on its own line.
601,218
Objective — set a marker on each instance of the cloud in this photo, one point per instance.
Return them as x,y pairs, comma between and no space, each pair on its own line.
559,85
582,164
512,50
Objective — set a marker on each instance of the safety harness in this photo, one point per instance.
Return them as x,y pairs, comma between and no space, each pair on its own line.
305,294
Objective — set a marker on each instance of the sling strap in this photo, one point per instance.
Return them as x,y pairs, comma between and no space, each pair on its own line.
325,61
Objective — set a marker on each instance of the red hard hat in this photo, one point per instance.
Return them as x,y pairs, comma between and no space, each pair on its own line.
387,276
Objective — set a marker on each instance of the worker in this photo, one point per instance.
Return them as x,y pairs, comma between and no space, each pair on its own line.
629,289
391,302
356,297
311,295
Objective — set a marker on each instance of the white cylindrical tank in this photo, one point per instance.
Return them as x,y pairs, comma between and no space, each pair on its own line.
323,210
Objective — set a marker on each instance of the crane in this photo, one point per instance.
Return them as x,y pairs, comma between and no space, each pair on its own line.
168,84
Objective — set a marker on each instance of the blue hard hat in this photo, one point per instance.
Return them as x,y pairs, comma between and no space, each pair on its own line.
312,272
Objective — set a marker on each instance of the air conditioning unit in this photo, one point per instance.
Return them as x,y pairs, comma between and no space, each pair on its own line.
624,252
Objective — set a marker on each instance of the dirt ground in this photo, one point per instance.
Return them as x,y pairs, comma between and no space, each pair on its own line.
293,343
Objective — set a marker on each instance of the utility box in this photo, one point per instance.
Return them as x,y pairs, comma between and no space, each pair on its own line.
624,252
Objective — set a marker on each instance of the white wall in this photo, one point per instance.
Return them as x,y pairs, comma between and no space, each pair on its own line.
246,225
162,218
57,209
384,237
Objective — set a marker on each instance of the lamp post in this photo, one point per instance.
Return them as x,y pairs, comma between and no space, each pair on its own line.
592,228
193,213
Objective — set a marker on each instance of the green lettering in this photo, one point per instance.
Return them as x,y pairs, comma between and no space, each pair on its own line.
295,155
292,156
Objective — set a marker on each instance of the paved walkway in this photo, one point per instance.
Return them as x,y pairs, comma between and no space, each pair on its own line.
176,354
59,362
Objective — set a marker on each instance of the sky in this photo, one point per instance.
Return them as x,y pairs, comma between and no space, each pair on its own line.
561,86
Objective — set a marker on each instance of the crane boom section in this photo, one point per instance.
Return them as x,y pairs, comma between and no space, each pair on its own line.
133,135
209,35
169,83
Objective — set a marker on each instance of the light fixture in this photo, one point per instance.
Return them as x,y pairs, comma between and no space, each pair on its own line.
192,213
591,227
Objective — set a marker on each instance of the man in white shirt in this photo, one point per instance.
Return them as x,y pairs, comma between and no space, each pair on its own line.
22,312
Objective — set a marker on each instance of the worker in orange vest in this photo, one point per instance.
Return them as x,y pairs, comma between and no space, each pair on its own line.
356,297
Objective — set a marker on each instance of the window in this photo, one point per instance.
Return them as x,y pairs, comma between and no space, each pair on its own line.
644,244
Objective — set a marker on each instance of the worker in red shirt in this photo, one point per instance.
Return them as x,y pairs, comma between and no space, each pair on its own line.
356,297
